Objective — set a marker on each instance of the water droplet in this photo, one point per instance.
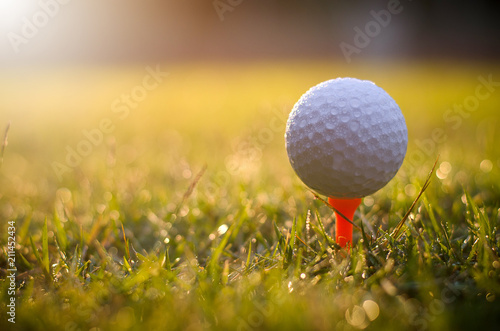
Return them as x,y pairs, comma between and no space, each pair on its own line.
341,102
354,125
355,102
222,229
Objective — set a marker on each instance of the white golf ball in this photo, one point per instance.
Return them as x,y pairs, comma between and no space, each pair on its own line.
346,138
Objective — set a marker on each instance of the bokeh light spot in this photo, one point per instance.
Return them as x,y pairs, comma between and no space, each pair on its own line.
486,166
372,309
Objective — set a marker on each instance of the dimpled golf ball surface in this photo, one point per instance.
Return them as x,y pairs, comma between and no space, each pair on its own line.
346,138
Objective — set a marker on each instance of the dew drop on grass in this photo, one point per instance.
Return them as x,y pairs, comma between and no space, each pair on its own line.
222,229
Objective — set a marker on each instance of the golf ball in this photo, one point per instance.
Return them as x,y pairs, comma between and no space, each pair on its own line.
346,138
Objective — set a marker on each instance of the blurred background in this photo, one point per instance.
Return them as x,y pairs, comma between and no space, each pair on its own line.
227,69
128,31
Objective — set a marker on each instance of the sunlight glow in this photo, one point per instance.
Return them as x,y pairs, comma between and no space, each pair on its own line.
12,13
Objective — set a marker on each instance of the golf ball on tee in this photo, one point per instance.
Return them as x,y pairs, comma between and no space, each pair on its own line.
346,138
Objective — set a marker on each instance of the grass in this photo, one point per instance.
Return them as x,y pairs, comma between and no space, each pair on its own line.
189,217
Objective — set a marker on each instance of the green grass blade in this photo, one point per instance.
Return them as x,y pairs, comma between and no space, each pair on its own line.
126,265
24,229
35,252
25,262
214,259
167,265
247,264
396,232
329,239
45,271
45,248
60,232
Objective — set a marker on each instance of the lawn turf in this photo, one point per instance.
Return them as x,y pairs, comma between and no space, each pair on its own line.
188,216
